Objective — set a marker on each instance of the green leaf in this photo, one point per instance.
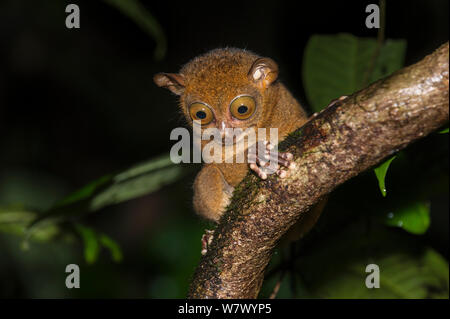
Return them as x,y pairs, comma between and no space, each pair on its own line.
444,131
336,65
145,20
15,221
380,173
91,244
112,246
85,192
137,181
414,218
134,182
438,265
336,267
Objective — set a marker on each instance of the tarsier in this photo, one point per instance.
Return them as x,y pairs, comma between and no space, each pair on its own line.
233,88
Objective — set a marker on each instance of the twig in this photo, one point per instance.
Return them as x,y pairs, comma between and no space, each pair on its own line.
277,285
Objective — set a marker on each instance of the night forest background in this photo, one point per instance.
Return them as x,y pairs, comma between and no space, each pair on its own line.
77,105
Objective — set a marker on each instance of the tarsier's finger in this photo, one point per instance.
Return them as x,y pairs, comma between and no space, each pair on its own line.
261,162
265,160
287,156
283,156
258,170
268,161
284,159
269,146
282,173
283,162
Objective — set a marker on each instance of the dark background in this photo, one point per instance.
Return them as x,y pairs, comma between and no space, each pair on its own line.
77,104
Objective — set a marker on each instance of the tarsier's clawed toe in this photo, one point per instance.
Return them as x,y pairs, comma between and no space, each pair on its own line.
270,162
286,164
258,171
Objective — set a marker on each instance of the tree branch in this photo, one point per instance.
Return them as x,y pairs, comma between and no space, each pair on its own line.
339,143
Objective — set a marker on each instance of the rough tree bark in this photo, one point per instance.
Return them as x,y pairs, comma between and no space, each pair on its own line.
339,143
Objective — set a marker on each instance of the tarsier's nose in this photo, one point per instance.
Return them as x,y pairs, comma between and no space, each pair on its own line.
226,133
222,128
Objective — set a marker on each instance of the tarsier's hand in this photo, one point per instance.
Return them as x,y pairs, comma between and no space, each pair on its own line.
268,161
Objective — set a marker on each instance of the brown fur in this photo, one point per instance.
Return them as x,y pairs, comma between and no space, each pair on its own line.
215,78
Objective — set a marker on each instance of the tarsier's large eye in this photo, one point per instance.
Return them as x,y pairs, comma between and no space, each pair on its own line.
242,107
200,112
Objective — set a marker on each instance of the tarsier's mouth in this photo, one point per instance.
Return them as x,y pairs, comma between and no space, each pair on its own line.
234,139
230,139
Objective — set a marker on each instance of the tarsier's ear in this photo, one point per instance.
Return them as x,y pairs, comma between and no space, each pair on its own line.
173,82
263,72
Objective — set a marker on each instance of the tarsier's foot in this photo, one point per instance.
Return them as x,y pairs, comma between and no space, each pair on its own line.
207,240
270,161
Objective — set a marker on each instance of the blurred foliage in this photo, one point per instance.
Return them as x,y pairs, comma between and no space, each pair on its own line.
15,221
139,180
414,218
93,242
50,248
112,246
407,268
335,65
